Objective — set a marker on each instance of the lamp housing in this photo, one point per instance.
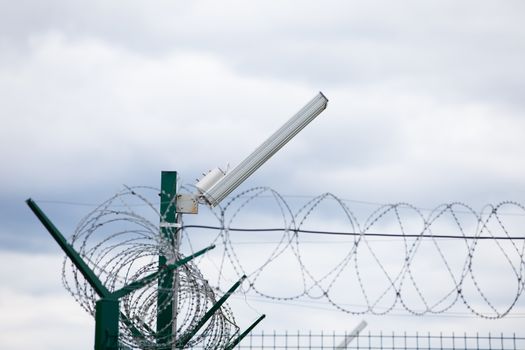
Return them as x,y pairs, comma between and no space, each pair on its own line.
224,185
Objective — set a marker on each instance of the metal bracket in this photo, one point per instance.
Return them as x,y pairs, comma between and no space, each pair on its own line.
165,224
187,204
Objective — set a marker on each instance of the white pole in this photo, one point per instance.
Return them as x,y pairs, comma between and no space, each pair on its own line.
348,339
175,303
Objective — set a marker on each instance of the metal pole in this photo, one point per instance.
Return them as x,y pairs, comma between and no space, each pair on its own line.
107,308
106,324
107,312
71,253
183,340
350,337
237,340
175,299
168,220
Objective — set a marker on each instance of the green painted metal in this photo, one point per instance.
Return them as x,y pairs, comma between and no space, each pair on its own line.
187,337
88,274
134,331
107,311
151,277
145,281
106,324
107,308
168,192
237,340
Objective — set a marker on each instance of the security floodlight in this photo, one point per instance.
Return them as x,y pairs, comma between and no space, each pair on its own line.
215,186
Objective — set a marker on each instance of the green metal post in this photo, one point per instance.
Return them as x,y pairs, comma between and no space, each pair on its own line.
237,340
145,281
106,324
187,337
165,304
107,310
149,278
88,274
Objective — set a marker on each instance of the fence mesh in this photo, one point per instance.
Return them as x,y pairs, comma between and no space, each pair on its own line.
381,341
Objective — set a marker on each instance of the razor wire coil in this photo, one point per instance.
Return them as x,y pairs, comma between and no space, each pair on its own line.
463,278
122,245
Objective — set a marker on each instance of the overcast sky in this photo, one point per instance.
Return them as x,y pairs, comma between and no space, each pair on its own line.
426,106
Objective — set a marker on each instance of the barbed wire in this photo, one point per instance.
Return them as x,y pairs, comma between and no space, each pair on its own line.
427,261
122,246
383,278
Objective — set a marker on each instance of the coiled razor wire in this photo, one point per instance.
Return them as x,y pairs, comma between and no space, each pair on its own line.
121,246
427,261
480,264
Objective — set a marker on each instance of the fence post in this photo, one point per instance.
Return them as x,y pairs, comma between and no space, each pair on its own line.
167,286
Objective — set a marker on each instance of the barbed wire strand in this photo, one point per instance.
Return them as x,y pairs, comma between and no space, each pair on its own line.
120,241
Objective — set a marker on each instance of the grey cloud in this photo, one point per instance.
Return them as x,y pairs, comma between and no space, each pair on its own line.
425,102
462,51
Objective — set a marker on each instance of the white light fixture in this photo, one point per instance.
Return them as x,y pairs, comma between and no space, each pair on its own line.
215,186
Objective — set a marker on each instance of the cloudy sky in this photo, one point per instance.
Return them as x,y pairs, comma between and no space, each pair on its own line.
426,106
